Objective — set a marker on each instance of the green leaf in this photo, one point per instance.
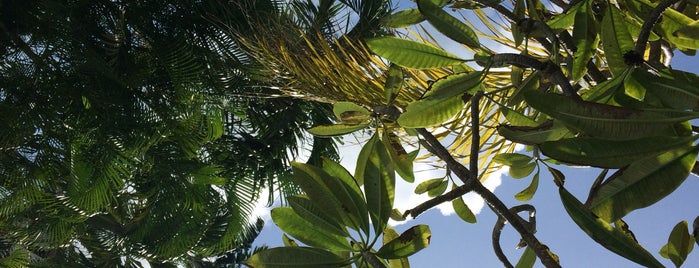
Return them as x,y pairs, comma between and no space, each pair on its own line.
462,210
528,259
428,185
603,233
336,170
402,161
390,234
516,118
519,172
379,185
439,189
308,232
585,39
393,84
454,86
336,130
287,257
643,183
363,159
678,28
512,159
564,21
518,12
396,215
411,54
448,25
429,112
607,153
679,244
616,39
528,192
558,177
403,18
547,131
329,194
350,113
307,210
675,89
408,243
288,242
605,121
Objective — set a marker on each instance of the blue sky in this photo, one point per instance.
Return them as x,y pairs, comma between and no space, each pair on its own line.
455,243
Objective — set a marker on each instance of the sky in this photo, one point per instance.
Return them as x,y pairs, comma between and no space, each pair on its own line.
455,243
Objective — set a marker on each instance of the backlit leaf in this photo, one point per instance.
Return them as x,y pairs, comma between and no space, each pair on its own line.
428,185
679,244
427,113
411,54
439,189
349,112
643,183
462,210
403,18
393,83
315,216
402,161
454,86
519,172
527,260
379,185
448,25
585,39
512,159
308,232
547,131
616,39
605,234
529,192
337,129
336,170
675,89
408,243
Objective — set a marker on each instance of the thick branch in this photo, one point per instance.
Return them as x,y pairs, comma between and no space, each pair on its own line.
649,23
448,196
549,69
500,224
491,199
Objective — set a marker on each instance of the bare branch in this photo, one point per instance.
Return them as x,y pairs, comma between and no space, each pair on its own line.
650,21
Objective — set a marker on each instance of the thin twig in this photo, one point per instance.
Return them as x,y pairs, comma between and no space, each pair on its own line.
500,224
446,197
475,134
491,199
650,21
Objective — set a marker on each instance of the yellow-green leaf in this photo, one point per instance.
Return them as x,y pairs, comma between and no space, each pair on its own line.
307,232
616,39
448,25
439,189
519,172
393,84
336,130
679,244
411,54
408,243
462,210
585,39
403,18
428,185
528,259
512,159
528,192
428,113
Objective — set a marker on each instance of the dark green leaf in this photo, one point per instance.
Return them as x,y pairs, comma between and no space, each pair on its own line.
675,89
605,121
516,118
439,189
585,39
314,215
411,54
408,243
679,244
336,170
528,192
603,233
310,233
287,257
519,172
558,176
393,84
609,154
379,185
643,183
512,159
448,25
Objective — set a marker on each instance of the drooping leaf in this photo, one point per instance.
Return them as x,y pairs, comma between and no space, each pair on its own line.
379,185
309,211
607,153
643,183
393,84
448,25
517,118
605,121
390,234
337,129
616,39
564,21
408,243
679,244
412,54
527,260
522,171
428,185
336,170
310,233
604,233
454,86
439,189
462,210
427,113
363,159
287,257
402,161
585,39
547,131
403,18
512,159
518,12
528,192
558,177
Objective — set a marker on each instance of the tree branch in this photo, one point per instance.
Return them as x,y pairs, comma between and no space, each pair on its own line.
475,134
649,23
549,69
491,199
448,196
500,224
372,260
